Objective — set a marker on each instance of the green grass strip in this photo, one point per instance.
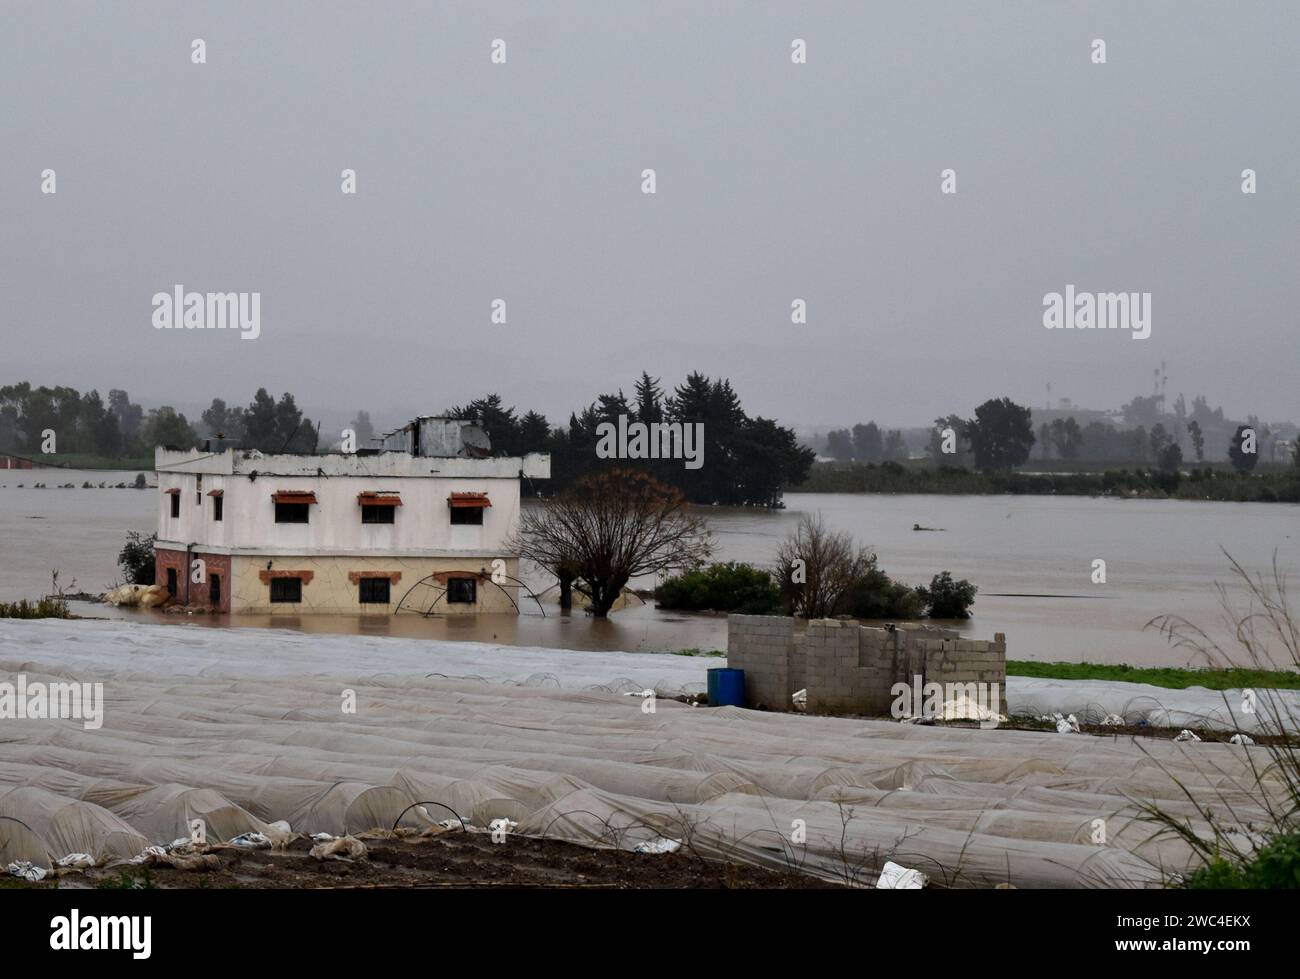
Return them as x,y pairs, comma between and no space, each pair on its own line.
1171,677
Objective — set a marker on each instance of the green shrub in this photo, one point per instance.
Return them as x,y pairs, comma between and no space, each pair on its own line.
875,596
47,608
129,880
728,587
1166,481
136,559
948,599
1276,866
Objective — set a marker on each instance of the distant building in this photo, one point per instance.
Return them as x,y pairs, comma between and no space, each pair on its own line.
342,532
1083,416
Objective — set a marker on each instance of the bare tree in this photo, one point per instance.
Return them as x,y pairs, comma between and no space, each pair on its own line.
609,528
815,568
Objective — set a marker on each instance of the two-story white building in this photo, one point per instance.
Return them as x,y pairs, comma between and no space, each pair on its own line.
242,531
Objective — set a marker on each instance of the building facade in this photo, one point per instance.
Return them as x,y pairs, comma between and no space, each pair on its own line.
243,531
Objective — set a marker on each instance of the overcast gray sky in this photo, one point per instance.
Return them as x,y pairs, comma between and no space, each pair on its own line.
776,181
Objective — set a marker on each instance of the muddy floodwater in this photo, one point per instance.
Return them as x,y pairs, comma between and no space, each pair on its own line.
1031,556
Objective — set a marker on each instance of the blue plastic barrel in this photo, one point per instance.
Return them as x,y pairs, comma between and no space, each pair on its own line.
726,687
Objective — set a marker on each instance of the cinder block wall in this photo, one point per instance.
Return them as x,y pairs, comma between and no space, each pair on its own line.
849,668
763,646
965,660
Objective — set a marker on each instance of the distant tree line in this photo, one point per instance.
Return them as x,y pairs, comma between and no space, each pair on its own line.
866,443
264,424
1001,437
748,460
119,428
80,422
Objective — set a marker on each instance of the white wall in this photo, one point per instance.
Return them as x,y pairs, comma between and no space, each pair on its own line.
422,526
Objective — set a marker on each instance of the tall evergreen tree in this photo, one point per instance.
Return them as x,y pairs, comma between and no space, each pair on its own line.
649,399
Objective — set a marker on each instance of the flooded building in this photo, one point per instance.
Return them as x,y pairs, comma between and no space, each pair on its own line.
244,531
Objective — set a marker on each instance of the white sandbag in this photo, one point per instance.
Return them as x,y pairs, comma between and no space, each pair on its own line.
897,878
345,848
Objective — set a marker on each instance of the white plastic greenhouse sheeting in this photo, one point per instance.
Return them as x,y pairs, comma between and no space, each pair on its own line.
193,649
244,728
1092,700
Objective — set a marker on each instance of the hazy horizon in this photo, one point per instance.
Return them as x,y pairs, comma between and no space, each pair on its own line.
775,181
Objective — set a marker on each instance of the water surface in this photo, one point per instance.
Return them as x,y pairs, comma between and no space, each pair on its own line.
1031,556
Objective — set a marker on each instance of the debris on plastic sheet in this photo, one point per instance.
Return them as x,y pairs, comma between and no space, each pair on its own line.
800,699
149,851
966,709
896,878
1241,739
1066,725
499,825
26,870
251,841
282,826
345,848
321,837
75,861
660,845
1112,720
452,824
156,856
1186,735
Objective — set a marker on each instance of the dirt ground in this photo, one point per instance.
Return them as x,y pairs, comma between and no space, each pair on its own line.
449,860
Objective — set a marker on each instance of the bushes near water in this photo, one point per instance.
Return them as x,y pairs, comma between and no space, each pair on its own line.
45,608
727,587
52,606
875,596
137,558
736,587
948,599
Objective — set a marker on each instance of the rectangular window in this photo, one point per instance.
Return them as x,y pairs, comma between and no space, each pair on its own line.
176,504
218,507
377,514
462,591
286,589
291,512
375,591
214,589
467,515
198,490
171,579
